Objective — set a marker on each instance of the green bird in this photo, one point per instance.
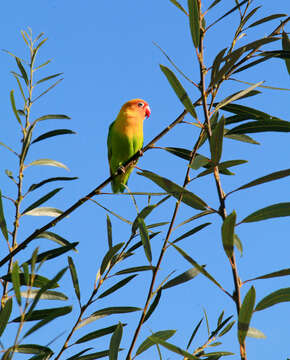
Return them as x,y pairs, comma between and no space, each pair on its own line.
125,138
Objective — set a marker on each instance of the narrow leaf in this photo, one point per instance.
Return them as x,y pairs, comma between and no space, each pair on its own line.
265,19
191,232
264,179
175,190
52,116
97,333
283,272
48,78
241,137
47,295
53,133
44,211
16,282
255,333
115,342
43,313
135,269
286,47
269,212
195,330
216,142
216,65
46,181
230,11
48,162
51,254
177,4
173,348
42,200
74,277
153,306
14,106
22,70
55,238
193,10
145,239
5,315
109,232
226,329
3,225
179,90
261,126
109,255
196,265
245,314
228,231
276,297
116,310
39,281
163,334
182,278
117,286
47,90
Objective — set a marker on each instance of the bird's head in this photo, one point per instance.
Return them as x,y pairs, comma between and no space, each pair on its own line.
138,106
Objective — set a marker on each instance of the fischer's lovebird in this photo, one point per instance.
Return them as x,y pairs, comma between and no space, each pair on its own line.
125,138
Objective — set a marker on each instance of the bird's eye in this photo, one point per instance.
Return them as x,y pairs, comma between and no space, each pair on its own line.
140,104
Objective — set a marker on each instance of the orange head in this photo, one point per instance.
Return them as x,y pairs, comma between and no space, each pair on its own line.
137,106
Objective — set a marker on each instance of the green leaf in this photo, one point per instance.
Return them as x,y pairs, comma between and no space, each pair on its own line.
229,12
228,232
115,342
238,244
39,281
153,306
51,254
179,90
175,190
8,148
193,10
48,162
283,272
44,211
135,269
276,297
52,116
145,239
182,278
269,212
74,277
108,257
264,179
195,330
241,137
173,348
47,90
214,3
226,329
261,126
16,282
44,313
53,133
196,265
26,143
3,225
42,200
109,232
117,286
47,295
245,314
237,96
286,47
191,232
47,78
216,65
265,19
32,349
177,4
54,237
14,106
50,284
230,61
255,333
180,152
93,356
97,333
60,178
5,315
223,167
248,112
163,334
22,70
216,142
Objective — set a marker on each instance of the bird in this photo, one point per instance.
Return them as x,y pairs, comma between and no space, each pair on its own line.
125,138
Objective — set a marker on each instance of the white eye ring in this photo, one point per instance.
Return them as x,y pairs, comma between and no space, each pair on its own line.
140,104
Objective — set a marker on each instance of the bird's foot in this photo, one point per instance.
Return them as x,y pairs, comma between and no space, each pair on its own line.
121,170
140,152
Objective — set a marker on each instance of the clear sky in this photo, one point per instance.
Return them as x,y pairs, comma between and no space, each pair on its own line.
105,50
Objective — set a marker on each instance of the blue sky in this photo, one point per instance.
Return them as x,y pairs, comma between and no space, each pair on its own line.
107,55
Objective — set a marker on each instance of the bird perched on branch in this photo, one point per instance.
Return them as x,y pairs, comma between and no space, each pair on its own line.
125,138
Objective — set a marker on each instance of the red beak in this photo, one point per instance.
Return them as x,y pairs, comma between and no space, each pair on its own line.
147,111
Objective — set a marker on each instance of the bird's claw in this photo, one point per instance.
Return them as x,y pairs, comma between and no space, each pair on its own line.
140,152
121,170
